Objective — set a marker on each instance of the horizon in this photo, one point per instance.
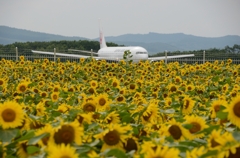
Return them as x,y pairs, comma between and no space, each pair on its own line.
117,35
215,18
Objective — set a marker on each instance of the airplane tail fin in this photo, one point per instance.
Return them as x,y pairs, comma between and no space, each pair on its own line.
101,38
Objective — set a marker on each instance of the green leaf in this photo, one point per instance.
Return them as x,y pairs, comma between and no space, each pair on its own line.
236,135
32,149
168,111
209,153
35,139
8,135
222,115
117,153
187,126
27,136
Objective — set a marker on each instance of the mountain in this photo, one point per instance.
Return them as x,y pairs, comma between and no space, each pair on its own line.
156,42
10,35
153,42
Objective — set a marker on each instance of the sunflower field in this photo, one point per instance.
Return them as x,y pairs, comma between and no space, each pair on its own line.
97,109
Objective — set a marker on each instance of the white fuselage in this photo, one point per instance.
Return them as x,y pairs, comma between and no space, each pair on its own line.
138,53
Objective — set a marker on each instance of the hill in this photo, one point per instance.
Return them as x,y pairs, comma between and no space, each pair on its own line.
153,42
10,35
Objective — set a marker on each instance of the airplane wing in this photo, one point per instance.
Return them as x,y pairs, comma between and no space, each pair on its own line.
84,51
170,57
61,54
76,55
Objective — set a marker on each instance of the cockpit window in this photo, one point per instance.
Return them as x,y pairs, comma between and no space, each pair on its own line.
141,52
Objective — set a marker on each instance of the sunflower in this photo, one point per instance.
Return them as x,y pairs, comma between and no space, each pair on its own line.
112,117
55,96
162,152
40,109
215,107
172,87
21,57
190,87
178,79
115,83
176,130
120,99
46,129
103,102
43,94
2,82
151,114
234,111
11,115
198,124
131,144
22,87
132,87
56,88
196,152
62,151
67,133
84,118
215,140
94,84
89,106
188,105
63,108
114,136
22,150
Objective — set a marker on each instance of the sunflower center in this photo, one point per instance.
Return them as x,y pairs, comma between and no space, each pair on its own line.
55,97
146,118
114,84
65,156
130,145
195,127
80,119
8,115
216,108
64,135
1,82
186,104
112,138
102,101
22,88
236,109
91,90
45,140
132,86
214,143
44,95
236,155
120,99
175,132
88,107
173,89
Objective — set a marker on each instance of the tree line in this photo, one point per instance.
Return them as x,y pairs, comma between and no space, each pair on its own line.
61,46
227,52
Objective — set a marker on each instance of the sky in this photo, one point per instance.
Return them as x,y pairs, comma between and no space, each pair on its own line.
205,18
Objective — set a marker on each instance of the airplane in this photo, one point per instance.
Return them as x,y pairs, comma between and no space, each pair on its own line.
115,53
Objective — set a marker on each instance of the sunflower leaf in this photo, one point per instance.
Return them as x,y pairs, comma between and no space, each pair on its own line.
117,153
8,135
187,126
35,139
27,136
32,149
222,115
236,135
209,153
